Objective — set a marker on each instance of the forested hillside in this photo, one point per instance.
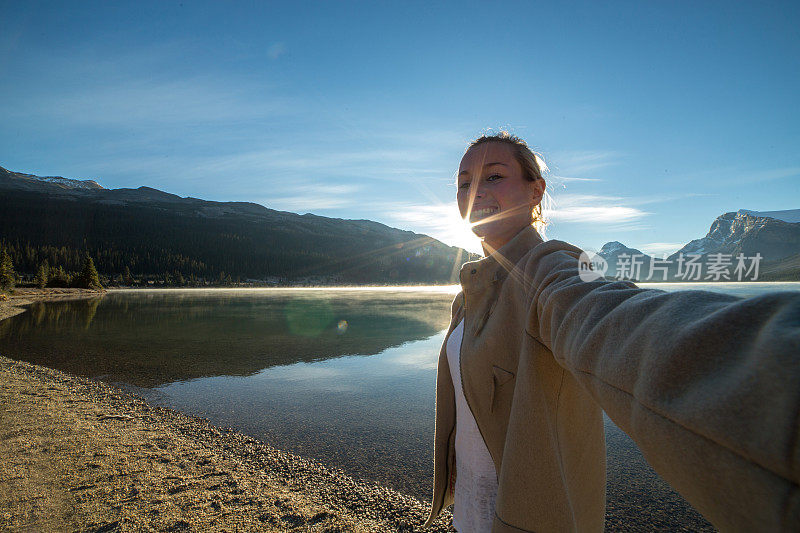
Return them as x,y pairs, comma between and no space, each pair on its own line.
161,238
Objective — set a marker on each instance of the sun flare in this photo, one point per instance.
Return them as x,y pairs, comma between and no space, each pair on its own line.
460,234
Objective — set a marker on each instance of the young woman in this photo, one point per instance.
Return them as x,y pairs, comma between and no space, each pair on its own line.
708,385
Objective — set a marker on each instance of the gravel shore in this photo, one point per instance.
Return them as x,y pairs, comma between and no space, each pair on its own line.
80,455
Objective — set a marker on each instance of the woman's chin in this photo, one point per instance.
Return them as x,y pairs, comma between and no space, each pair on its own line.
495,234
479,232
484,230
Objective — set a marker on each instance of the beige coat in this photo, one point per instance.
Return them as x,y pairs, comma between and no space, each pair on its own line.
708,386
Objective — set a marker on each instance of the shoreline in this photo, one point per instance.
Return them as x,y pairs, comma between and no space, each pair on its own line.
16,303
80,453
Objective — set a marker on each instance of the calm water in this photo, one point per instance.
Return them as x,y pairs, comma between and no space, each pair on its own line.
343,376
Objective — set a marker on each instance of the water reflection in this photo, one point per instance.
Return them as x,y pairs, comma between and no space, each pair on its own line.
152,338
372,417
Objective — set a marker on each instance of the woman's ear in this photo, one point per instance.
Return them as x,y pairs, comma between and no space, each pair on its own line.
537,188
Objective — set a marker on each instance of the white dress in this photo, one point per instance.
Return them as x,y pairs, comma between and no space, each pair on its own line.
476,478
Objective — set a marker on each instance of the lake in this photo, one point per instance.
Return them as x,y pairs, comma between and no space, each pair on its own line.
344,376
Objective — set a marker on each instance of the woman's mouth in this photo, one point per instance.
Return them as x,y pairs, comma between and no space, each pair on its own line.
480,214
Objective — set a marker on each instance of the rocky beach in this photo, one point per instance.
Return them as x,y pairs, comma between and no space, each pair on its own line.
80,455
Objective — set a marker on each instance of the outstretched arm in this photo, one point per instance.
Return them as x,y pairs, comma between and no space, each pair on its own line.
708,385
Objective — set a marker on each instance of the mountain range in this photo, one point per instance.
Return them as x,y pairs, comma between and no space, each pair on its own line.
771,236
156,235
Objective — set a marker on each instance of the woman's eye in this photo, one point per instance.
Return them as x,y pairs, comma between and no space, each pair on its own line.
494,177
464,185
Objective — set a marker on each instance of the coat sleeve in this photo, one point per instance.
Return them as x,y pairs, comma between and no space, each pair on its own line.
706,384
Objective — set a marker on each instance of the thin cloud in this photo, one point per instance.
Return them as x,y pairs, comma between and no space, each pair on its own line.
313,197
255,169
578,162
143,103
658,198
628,227
402,165
569,178
140,90
773,174
307,203
570,200
660,249
592,209
606,214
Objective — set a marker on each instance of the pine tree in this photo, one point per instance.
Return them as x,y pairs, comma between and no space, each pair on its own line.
7,275
88,278
58,278
127,277
42,274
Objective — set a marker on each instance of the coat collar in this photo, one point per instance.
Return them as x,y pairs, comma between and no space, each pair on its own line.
476,275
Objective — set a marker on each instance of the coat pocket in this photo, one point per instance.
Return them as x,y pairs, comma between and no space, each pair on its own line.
502,380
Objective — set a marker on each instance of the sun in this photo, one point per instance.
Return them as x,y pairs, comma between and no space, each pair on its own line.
458,232
441,221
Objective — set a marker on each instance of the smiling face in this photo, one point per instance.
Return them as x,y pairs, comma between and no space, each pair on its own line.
494,194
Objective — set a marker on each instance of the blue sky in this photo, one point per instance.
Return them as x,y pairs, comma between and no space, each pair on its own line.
654,117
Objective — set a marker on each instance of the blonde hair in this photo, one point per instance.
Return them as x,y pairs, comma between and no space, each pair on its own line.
533,167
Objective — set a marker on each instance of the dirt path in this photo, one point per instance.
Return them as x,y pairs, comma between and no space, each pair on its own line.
81,455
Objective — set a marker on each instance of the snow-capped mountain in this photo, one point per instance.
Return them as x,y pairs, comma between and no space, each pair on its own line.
73,184
636,264
749,232
614,248
66,183
775,235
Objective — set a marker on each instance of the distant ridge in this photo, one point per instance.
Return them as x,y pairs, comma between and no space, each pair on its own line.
775,235
787,215
66,183
749,232
160,236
